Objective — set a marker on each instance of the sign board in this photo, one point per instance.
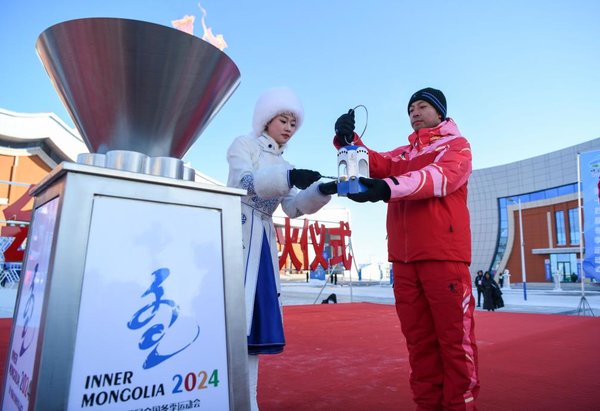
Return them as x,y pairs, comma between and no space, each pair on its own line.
24,344
590,188
151,332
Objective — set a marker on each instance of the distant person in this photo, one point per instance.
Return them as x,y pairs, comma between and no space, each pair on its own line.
256,164
331,299
479,286
333,277
429,245
492,295
573,277
501,277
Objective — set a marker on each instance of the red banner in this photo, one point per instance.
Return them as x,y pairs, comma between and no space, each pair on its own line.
14,253
328,244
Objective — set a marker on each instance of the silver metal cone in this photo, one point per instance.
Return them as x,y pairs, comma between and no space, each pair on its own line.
134,85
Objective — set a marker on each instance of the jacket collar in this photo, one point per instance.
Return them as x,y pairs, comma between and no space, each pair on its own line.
426,136
267,143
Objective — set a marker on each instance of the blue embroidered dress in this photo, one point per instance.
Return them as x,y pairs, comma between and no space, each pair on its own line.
256,164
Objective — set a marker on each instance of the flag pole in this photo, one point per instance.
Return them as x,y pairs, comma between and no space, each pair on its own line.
583,303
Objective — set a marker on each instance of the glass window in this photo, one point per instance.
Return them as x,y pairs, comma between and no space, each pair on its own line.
553,261
503,219
538,195
568,189
573,226
561,235
551,193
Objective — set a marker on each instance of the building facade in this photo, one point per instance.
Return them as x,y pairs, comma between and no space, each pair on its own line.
542,192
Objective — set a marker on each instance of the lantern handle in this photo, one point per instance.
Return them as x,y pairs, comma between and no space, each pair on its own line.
364,129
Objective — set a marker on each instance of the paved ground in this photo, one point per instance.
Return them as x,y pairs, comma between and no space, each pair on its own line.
541,298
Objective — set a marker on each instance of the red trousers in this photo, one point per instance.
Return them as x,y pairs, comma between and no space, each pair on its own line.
435,306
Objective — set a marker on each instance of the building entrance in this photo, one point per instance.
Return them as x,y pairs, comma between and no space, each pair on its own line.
565,265
564,268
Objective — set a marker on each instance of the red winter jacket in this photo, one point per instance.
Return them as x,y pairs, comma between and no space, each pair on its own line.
427,217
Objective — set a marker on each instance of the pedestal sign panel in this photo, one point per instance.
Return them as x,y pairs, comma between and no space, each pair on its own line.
28,310
151,331
131,298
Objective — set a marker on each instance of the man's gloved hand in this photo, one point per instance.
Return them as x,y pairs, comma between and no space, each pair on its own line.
328,189
303,178
377,190
344,129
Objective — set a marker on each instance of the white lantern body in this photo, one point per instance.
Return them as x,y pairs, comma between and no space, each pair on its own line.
353,162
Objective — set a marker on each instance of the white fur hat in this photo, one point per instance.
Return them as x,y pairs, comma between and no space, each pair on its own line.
273,102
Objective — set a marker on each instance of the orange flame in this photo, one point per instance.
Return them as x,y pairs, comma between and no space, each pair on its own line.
186,24
218,41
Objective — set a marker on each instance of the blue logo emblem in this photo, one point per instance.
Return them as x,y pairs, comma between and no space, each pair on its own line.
154,334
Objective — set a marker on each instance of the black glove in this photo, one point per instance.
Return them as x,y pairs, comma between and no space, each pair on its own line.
328,189
344,128
377,190
303,178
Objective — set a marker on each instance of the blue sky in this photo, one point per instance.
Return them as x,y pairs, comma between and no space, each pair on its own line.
522,78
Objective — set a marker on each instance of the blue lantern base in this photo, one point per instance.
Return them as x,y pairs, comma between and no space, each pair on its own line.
351,186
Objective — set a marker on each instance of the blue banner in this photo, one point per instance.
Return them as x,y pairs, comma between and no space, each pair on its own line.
319,274
590,189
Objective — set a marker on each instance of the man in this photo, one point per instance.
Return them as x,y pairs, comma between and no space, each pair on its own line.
429,244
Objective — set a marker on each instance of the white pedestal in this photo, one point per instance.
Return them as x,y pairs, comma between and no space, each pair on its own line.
557,286
129,297
506,284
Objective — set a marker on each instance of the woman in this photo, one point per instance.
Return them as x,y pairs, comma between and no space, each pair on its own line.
256,164
492,296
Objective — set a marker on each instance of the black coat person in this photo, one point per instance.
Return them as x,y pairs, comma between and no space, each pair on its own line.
492,296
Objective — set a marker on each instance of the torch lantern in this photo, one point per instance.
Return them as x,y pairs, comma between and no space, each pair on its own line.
353,162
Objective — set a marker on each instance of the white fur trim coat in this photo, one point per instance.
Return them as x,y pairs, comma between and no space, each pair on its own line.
256,165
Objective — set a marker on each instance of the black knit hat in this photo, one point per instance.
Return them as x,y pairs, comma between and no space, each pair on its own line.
434,97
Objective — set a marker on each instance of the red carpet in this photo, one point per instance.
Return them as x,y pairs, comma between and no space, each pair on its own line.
353,357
